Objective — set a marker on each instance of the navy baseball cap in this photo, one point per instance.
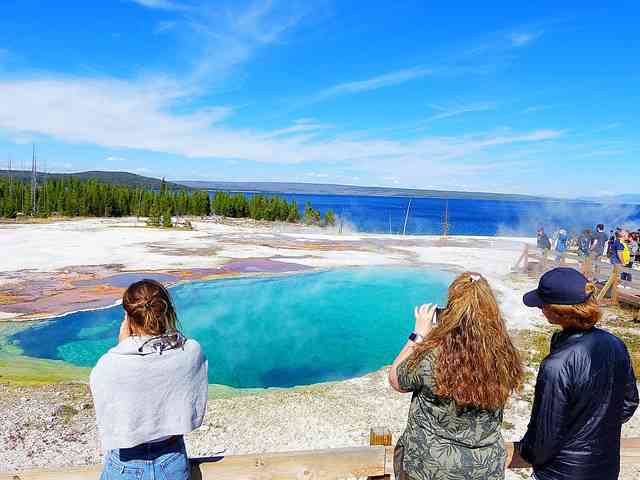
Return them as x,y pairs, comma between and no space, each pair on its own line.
560,286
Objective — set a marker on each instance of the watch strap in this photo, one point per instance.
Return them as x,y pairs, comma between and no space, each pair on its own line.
415,337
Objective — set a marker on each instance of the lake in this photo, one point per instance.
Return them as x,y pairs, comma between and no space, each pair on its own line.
467,216
270,332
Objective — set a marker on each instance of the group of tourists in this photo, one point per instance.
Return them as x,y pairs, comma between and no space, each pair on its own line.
459,363
620,246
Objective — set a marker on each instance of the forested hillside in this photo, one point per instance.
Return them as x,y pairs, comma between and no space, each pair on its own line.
72,197
115,178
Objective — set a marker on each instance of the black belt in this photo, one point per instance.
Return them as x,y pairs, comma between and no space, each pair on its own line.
164,443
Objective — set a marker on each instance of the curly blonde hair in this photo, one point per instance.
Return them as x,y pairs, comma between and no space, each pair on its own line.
477,364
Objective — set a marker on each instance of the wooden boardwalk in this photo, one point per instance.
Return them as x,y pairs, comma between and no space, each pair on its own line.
372,462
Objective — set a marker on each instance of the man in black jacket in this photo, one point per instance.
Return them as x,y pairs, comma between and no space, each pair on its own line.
585,391
543,242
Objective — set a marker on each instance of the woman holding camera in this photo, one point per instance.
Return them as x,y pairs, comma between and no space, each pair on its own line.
461,369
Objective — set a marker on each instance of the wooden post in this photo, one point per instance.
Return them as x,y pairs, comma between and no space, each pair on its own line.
614,286
526,258
586,267
607,286
516,267
563,259
380,436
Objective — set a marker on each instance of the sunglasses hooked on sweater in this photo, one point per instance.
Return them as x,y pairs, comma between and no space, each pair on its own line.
167,341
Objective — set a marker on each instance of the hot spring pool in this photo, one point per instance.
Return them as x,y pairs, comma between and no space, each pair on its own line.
270,332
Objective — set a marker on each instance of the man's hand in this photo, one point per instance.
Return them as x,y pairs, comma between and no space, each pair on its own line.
424,318
125,329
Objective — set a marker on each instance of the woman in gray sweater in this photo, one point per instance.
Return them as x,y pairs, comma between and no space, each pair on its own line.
149,390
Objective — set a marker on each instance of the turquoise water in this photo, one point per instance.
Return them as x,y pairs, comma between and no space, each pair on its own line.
270,332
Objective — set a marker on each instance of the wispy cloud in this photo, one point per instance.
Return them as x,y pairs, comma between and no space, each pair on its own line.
304,125
217,38
519,39
607,127
224,39
457,64
381,81
165,26
117,114
602,153
160,4
112,158
537,108
455,111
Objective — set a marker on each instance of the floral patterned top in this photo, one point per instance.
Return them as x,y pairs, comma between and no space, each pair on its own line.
442,442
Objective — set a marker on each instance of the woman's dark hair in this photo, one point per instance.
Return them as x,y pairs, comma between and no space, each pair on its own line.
149,307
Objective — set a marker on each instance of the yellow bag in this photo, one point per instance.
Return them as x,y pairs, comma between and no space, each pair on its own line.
626,254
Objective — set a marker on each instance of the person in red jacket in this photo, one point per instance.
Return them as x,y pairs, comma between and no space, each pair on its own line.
585,390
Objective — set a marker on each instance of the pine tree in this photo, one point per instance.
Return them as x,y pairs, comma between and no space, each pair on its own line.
329,218
311,216
166,219
154,215
293,215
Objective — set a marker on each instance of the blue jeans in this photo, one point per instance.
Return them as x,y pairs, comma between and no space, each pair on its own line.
149,461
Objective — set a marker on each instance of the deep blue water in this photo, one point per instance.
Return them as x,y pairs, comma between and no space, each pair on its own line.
270,332
468,217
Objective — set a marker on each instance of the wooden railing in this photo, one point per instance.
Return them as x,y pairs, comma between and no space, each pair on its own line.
608,277
372,462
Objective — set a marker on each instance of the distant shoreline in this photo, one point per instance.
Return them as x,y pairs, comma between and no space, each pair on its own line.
297,188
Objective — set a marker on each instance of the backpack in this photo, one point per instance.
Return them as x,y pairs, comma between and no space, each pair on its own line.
610,250
626,254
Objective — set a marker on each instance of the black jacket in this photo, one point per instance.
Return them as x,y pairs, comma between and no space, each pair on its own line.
543,242
585,391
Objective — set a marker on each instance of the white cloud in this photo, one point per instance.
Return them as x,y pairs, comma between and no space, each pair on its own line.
448,112
318,175
602,153
610,126
116,114
537,108
519,39
223,39
165,26
299,126
386,80
115,159
160,4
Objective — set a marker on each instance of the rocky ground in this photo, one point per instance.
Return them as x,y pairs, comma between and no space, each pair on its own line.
53,425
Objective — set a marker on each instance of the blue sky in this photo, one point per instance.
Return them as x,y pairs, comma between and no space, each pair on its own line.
539,99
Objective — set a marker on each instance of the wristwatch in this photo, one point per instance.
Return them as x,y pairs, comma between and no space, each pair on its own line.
415,337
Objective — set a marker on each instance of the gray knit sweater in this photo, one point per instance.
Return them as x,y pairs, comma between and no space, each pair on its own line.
143,396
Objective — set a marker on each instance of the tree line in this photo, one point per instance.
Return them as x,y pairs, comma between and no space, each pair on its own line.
73,197
272,208
91,198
